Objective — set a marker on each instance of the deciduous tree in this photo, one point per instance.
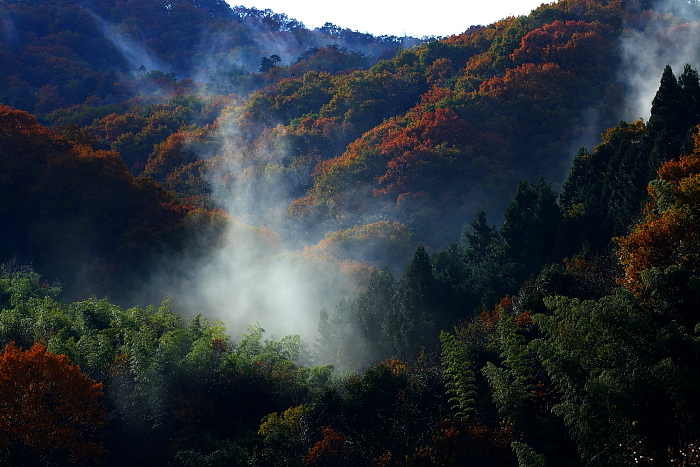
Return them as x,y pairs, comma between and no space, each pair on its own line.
49,410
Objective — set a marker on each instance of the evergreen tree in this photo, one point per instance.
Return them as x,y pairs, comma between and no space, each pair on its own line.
371,310
490,273
690,85
530,226
455,297
413,322
666,108
479,237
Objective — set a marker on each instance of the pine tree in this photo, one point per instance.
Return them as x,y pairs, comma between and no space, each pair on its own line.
415,306
372,308
479,236
667,101
530,226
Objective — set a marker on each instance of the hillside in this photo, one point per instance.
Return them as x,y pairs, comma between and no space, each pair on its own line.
78,215
331,129
63,52
318,135
381,251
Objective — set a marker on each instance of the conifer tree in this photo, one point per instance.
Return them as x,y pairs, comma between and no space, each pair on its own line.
666,108
530,226
415,306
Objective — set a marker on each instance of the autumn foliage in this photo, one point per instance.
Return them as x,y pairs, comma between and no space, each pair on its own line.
331,450
370,145
47,406
67,201
668,235
571,44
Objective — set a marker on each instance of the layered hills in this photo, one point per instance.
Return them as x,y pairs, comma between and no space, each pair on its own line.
485,245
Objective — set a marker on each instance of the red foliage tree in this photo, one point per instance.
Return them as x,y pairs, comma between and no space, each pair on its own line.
573,45
529,80
668,236
49,408
333,449
421,148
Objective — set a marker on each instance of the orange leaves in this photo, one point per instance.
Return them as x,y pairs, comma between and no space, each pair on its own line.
11,119
484,327
333,449
632,132
439,125
47,404
530,79
481,64
378,241
421,146
177,150
652,243
440,70
396,367
669,233
301,207
675,170
458,444
66,197
115,125
551,59
434,96
18,129
570,44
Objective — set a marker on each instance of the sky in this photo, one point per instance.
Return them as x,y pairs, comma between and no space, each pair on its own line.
415,18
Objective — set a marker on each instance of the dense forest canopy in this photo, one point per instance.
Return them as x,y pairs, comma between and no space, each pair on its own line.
229,239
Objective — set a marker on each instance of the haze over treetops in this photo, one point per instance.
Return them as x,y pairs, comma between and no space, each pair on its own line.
229,239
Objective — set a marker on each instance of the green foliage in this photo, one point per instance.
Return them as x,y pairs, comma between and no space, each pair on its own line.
223,453
413,321
459,375
165,376
511,382
284,436
437,50
626,161
507,40
362,329
275,366
372,308
424,137
390,407
600,355
527,457
530,226
491,271
665,108
29,311
479,237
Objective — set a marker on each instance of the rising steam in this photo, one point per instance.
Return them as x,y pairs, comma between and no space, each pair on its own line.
655,41
259,273
134,52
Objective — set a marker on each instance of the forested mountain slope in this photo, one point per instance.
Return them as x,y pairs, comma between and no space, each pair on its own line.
558,327
308,140
61,52
78,215
144,82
